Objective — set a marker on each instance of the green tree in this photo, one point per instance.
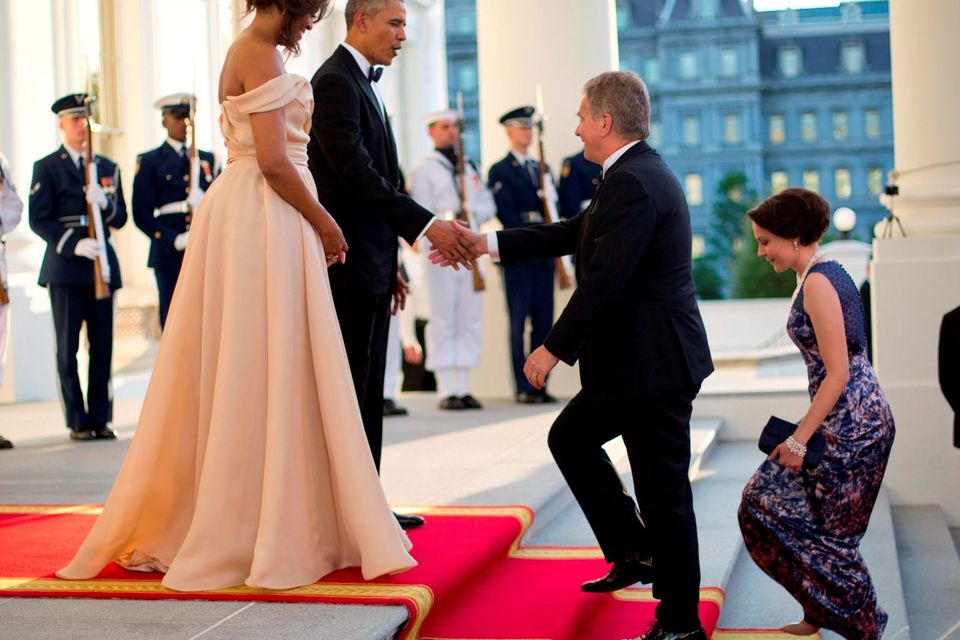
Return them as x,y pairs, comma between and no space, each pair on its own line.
711,271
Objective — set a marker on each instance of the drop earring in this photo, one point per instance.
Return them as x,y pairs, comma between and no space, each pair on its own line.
795,247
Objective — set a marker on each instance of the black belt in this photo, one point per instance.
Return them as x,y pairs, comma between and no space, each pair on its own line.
532,217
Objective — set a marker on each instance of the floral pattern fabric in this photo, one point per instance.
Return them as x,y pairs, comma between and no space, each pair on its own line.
803,528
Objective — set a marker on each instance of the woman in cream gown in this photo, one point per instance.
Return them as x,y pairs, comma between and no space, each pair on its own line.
250,464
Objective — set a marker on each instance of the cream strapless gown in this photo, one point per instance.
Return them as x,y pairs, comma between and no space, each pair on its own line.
249,464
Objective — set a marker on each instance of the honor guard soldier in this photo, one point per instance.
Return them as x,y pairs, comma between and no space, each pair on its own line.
167,189
515,183
11,210
455,331
578,182
73,214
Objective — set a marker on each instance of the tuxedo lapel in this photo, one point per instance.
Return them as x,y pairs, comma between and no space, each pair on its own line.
367,89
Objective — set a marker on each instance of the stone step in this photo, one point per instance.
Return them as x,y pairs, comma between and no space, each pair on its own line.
930,569
721,474
756,601
559,521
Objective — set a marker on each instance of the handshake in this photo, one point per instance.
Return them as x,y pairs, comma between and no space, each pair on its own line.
455,245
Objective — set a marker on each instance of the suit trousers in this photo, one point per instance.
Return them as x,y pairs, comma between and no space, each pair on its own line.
365,325
73,305
656,434
529,289
166,282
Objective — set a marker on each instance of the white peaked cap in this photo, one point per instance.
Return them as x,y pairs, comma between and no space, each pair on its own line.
437,116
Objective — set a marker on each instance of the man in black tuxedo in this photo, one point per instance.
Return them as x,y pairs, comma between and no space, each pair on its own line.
353,159
634,326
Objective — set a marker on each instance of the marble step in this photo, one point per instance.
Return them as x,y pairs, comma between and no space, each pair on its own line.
930,568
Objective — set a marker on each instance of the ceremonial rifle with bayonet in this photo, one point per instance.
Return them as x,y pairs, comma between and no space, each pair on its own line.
463,214
101,266
562,264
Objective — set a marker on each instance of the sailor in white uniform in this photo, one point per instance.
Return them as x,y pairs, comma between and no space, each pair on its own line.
455,331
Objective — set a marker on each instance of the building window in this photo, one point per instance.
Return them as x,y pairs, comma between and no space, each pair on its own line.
699,246
789,60
467,78
654,138
623,16
778,128
871,123
693,186
778,181
688,65
729,62
731,128
875,181
463,22
706,9
808,126
651,70
841,184
811,180
852,57
691,131
840,129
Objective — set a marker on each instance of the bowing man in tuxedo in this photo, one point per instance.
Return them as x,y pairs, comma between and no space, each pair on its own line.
634,326
353,159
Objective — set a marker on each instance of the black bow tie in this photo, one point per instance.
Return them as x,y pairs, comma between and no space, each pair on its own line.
374,74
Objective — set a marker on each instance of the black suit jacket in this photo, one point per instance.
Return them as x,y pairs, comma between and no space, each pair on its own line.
949,366
633,322
353,159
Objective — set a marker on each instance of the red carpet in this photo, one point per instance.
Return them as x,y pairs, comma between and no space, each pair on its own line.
474,581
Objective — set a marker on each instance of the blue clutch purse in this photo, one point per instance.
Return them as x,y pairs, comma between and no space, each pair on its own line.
777,430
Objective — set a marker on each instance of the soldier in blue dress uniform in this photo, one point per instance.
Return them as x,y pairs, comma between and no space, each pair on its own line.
163,201
515,183
58,214
578,181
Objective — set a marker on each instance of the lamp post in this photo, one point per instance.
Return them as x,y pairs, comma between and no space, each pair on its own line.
844,219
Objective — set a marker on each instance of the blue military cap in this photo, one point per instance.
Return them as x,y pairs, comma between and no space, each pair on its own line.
74,104
177,104
520,117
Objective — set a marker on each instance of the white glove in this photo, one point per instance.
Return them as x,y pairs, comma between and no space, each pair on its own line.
96,196
87,248
180,242
194,198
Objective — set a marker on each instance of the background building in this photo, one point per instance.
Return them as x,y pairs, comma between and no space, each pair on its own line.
789,98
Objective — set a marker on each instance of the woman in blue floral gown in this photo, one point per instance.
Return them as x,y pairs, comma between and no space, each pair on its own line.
803,526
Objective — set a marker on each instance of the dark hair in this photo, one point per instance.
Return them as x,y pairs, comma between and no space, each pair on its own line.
292,9
794,213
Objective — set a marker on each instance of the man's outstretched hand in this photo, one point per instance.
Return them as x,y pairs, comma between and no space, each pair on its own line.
476,243
454,247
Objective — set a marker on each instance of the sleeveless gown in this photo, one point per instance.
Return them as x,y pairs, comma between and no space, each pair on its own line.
249,464
803,528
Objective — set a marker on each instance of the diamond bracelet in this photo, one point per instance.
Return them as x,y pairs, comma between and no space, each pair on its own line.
795,447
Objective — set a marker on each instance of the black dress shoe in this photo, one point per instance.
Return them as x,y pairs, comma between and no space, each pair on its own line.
452,403
5,444
630,570
469,402
528,398
390,408
82,434
103,432
656,632
547,398
409,522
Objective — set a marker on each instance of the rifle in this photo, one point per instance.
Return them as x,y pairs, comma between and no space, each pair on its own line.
101,266
562,264
463,214
194,157
4,294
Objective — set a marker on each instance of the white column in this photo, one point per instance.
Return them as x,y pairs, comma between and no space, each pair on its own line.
559,44
917,278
